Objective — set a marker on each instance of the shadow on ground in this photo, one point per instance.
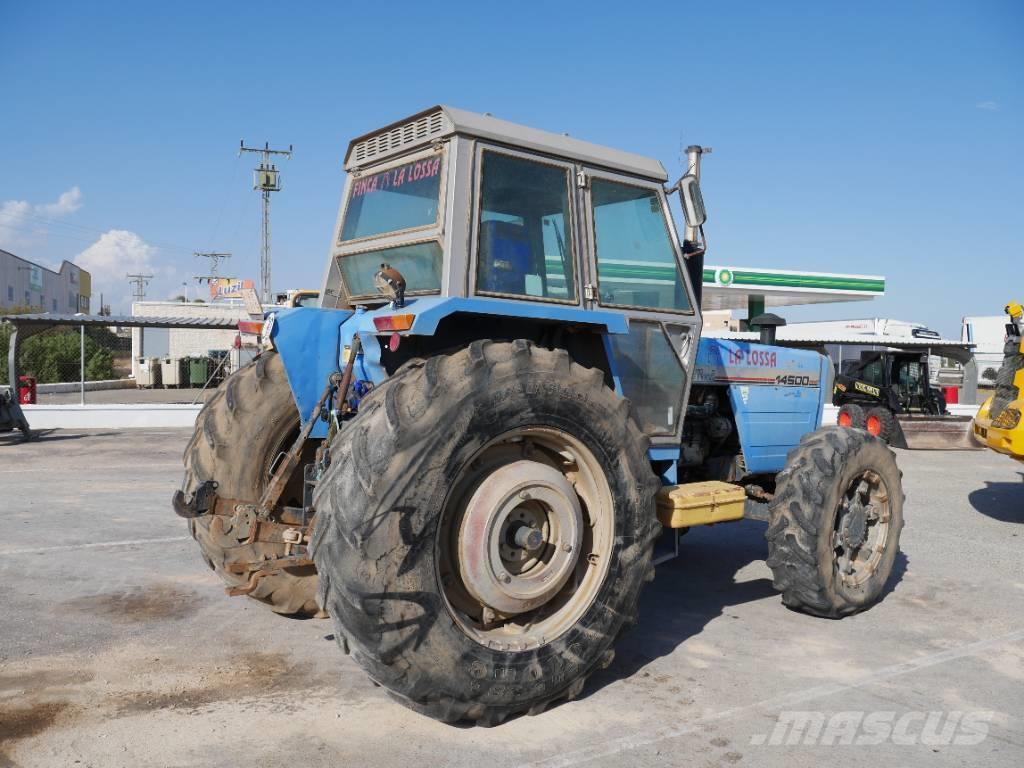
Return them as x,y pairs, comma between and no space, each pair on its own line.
687,593
695,588
1002,501
48,436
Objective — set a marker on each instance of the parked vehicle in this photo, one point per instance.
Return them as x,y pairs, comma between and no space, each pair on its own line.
889,394
11,415
998,423
469,452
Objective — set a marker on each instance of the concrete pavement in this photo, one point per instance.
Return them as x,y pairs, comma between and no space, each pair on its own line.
119,647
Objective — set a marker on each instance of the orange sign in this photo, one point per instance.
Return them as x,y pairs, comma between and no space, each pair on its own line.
228,288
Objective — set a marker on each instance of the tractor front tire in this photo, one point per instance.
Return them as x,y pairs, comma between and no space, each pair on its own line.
240,433
484,530
851,415
835,522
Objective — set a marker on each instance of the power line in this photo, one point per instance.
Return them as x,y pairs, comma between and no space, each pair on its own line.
11,221
83,233
267,180
225,196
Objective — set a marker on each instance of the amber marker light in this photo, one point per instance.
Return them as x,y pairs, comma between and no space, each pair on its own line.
393,322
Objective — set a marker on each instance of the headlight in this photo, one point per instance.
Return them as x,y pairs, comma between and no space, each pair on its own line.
1008,419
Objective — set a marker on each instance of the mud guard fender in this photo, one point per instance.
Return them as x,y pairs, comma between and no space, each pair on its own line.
307,339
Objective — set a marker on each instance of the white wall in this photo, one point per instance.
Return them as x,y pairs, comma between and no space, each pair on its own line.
989,334
185,342
719,320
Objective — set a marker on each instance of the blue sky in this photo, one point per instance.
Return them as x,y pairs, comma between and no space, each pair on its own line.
879,138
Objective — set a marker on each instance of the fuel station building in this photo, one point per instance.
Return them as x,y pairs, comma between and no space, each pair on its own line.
756,290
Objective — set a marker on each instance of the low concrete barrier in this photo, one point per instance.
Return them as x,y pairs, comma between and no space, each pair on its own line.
177,415
90,386
110,416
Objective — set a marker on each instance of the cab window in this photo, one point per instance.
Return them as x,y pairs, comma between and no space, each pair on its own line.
405,197
636,261
525,244
872,372
651,375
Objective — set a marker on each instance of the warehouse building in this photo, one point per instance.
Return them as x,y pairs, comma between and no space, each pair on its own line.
25,284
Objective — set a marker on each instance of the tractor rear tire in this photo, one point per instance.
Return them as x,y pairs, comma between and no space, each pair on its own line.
240,433
851,415
881,422
391,530
835,522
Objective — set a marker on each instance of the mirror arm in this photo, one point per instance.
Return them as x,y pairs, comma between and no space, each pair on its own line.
693,249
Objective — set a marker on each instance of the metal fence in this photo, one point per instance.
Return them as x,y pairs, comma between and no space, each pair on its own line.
120,365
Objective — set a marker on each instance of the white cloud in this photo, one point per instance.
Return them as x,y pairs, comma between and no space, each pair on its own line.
13,215
110,259
22,222
68,202
116,252
990,106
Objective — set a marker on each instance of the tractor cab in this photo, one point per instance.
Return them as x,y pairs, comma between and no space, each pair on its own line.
525,234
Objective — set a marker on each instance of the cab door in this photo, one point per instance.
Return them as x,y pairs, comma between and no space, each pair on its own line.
524,228
633,264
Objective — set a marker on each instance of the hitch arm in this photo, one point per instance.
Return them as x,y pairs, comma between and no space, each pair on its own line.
277,483
284,470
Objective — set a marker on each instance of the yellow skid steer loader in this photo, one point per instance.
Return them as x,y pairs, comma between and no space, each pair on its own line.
998,423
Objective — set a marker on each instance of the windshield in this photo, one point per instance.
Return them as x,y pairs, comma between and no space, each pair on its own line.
405,197
419,263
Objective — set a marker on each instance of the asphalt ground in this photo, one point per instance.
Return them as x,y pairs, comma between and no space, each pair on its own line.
118,647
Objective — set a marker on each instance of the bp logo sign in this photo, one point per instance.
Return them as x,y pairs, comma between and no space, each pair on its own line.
724,277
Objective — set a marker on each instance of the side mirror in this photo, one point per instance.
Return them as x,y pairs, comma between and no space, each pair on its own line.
692,201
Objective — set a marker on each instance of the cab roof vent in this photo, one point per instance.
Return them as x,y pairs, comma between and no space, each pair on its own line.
397,137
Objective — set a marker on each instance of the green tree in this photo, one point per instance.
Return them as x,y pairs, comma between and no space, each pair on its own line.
100,365
55,355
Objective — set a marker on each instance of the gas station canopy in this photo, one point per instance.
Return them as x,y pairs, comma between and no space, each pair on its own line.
757,289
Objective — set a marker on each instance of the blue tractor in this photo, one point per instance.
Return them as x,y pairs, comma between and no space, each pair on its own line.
472,454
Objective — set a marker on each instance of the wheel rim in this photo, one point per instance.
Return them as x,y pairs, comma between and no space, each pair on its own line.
874,425
526,538
862,528
845,420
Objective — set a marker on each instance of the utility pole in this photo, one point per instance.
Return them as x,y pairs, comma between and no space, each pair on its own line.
139,283
213,275
266,179
214,258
